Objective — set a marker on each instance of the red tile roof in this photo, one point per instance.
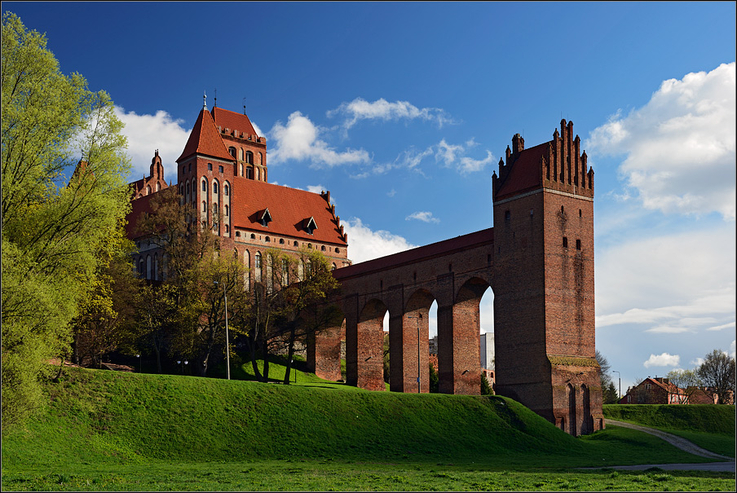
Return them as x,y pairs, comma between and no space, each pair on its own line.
459,243
526,172
205,139
233,121
289,208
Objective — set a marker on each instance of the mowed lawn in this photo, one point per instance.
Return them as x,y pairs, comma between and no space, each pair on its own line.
105,430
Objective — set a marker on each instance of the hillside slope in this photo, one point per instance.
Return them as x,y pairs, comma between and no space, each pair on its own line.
113,416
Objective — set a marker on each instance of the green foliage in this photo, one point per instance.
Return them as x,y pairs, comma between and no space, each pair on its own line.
718,371
53,227
485,387
434,380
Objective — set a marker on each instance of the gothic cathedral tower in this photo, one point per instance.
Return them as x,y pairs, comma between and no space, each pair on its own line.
544,281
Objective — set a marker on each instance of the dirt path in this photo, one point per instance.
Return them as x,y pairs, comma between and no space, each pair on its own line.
674,440
682,444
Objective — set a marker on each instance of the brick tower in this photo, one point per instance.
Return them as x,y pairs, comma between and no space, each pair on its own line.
544,281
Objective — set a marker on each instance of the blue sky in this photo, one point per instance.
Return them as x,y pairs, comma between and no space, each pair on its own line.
402,111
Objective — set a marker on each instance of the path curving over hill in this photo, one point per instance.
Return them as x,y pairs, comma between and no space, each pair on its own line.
674,440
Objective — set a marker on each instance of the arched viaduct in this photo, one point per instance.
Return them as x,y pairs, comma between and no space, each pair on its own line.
538,260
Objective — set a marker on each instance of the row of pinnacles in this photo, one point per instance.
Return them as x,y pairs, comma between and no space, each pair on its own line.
564,166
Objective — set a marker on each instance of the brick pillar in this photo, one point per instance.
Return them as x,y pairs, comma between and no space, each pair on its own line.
466,350
350,308
370,354
413,321
323,352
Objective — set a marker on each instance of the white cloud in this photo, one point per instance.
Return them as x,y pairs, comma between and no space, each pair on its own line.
664,359
365,244
300,140
453,156
730,325
381,109
423,216
145,134
680,146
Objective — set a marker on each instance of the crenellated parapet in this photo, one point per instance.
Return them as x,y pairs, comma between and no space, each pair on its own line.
556,165
564,167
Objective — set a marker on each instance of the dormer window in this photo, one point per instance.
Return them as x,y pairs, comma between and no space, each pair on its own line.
310,225
265,218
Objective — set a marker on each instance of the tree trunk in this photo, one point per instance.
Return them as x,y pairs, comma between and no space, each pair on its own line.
290,356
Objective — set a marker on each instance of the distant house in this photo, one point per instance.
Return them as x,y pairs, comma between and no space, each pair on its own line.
660,390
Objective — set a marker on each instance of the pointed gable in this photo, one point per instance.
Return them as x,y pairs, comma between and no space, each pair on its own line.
205,139
525,172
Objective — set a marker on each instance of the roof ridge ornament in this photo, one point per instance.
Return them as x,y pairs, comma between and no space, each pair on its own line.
204,100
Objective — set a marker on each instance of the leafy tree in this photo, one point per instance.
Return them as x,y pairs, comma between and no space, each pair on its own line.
53,226
287,304
485,387
686,380
434,379
194,325
718,372
106,318
610,395
609,391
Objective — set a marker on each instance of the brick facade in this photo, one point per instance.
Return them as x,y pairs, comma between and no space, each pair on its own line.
539,260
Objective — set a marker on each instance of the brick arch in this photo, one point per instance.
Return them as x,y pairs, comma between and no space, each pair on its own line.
409,345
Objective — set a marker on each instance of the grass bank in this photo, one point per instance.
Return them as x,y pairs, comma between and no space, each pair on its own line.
709,426
103,430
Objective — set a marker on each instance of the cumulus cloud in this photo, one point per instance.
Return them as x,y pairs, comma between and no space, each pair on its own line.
680,146
365,244
664,359
423,216
299,140
145,134
381,109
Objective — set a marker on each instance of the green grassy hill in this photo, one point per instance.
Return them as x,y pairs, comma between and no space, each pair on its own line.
707,425
128,431
103,415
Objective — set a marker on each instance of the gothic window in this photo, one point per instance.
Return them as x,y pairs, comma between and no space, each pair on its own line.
209,166
204,185
215,188
227,229
225,189
220,169
231,150
227,210
337,250
204,206
249,173
148,189
322,248
257,266
249,157
187,188
260,158
285,272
